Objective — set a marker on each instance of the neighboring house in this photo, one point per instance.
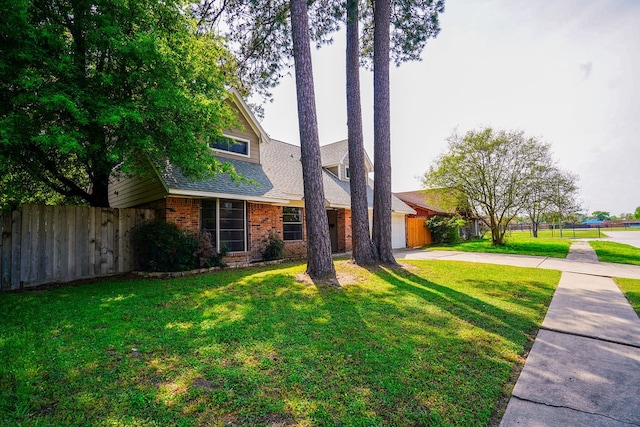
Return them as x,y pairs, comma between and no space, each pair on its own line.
242,215
427,204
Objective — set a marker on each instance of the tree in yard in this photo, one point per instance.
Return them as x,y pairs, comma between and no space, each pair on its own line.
319,260
406,37
90,85
363,252
600,215
494,170
636,213
551,190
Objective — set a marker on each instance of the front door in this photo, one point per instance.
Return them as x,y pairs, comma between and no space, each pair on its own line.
332,217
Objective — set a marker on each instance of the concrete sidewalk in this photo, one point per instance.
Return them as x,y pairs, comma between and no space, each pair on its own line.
584,366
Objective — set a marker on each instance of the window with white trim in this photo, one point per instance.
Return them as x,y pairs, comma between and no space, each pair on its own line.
230,145
226,221
291,223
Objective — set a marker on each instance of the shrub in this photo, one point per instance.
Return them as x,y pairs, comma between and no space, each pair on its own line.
274,249
206,252
444,230
162,246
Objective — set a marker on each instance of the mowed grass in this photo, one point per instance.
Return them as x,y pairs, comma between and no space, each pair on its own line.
616,252
565,233
631,289
519,243
431,343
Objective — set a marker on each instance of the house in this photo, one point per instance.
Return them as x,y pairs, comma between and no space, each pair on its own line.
242,215
427,204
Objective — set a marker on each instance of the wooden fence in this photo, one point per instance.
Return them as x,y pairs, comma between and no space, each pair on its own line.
43,244
417,232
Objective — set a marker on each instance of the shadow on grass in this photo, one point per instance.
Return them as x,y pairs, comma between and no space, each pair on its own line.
254,347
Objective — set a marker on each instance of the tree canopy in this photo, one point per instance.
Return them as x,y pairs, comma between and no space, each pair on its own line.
501,174
86,86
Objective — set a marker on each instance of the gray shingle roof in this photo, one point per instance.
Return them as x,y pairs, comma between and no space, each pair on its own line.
331,154
279,177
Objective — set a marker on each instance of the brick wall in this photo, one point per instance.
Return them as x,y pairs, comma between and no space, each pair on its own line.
185,213
264,221
343,219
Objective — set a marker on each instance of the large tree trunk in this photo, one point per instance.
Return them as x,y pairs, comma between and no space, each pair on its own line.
382,132
319,260
363,249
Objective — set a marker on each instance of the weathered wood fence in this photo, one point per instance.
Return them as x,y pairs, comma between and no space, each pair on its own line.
43,244
417,232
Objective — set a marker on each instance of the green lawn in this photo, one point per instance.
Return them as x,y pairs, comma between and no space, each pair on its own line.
433,343
631,288
566,233
516,243
616,252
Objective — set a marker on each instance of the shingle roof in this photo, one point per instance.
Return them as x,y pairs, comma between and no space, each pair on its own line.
428,199
331,154
279,177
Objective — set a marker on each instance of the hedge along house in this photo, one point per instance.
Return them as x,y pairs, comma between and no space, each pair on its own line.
242,215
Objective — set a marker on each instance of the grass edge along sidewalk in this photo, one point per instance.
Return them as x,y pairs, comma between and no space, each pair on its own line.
631,290
433,342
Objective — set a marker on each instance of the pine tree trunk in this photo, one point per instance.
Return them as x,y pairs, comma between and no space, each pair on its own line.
362,247
382,132
319,260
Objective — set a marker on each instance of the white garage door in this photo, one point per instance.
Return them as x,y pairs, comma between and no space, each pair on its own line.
398,236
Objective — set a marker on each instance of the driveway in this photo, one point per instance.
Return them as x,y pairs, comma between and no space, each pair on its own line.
627,237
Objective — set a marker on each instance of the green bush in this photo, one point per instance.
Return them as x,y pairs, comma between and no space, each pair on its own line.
444,230
206,252
162,246
274,249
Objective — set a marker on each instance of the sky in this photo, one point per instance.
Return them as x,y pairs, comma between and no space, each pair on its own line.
567,72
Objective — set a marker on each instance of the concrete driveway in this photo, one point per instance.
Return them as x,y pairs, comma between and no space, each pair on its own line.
626,237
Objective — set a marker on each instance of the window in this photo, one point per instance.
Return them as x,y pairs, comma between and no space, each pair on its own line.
230,145
346,172
226,221
291,223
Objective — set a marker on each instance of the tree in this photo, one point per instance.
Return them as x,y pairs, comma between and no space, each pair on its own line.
600,215
382,132
319,260
90,85
550,190
493,169
406,37
636,213
363,250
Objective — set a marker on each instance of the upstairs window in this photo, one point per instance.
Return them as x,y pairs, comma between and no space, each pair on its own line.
347,174
291,223
230,145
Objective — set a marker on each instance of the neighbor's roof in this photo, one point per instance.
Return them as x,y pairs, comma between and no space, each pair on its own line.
427,199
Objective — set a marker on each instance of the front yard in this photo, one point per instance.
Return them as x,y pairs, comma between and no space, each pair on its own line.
432,343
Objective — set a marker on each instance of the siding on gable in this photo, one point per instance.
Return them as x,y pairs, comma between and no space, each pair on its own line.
129,191
244,132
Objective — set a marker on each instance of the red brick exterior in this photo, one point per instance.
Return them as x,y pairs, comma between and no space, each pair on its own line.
263,221
266,220
344,230
185,213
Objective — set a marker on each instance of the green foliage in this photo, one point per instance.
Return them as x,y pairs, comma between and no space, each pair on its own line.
636,213
497,171
86,86
432,344
206,253
600,215
274,249
445,230
162,246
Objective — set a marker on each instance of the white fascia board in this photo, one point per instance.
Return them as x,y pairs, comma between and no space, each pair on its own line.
207,194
